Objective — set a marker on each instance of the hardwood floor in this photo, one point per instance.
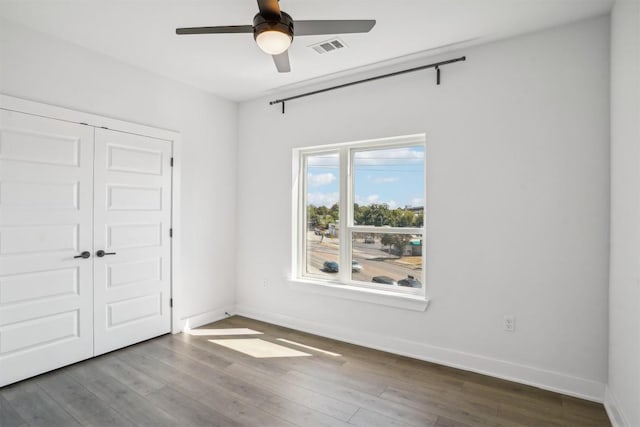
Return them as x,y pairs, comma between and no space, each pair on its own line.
186,380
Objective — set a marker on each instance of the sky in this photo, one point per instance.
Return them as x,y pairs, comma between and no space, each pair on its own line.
393,176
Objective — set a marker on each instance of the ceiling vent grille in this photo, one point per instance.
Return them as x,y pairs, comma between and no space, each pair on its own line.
328,46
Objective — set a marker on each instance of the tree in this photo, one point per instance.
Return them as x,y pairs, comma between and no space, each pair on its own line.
374,214
377,215
312,219
335,212
387,240
322,216
405,218
396,241
400,241
419,220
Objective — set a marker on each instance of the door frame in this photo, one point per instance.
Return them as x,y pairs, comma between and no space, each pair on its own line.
25,106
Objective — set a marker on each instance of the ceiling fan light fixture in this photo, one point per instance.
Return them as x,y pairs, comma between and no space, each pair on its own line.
273,34
273,42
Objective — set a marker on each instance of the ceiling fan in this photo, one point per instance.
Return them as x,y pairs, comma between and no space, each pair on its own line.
273,30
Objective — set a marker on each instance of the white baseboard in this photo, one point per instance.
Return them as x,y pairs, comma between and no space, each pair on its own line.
541,378
196,320
616,416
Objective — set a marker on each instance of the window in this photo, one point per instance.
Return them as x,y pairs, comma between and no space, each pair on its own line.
361,205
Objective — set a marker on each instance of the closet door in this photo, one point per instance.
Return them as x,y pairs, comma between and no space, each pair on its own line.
46,287
132,219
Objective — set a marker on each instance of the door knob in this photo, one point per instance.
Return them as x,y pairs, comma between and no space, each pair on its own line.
85,254
102,253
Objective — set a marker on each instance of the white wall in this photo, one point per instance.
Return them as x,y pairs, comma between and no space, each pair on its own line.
40,68
623,394
517,211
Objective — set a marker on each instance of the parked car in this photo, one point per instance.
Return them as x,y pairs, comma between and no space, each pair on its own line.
331,267
356,267
410,282
386,280
369,239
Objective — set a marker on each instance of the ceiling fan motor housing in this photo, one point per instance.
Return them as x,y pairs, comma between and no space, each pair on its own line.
282,23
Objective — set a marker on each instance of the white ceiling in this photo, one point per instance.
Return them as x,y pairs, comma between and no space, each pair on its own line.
142,33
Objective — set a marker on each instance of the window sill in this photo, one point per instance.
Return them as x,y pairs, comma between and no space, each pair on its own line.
372,296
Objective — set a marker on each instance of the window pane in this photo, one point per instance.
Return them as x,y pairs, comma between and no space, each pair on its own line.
322,215
389,187
391,259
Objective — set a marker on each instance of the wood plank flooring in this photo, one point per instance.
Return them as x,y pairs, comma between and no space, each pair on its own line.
186,380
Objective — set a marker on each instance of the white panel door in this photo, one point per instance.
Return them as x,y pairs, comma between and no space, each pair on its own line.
132,220
46,290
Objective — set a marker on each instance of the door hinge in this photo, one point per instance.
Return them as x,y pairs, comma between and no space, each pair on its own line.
172,162
170,302
171,232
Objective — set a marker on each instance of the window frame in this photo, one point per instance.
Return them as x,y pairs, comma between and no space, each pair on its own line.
346,153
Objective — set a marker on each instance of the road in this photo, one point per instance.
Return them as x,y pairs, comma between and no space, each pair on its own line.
375,260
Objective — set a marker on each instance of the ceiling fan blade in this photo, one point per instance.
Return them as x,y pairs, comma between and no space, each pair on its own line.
282,62
216,30
310,28
269,7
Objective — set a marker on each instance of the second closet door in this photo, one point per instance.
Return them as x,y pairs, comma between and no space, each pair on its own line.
132,217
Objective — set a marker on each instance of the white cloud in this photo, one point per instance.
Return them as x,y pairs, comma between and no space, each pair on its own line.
372,198
323,160
366,200
406,155
323,199
417,201
375,199
317,180
384,179
392,204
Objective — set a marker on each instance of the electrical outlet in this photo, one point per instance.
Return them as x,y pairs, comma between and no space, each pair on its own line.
510,323
265,283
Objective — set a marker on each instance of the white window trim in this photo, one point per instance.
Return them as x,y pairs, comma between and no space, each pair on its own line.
361,294
411,299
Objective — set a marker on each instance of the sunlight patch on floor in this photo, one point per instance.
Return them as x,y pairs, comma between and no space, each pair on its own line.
258,348
330,353
222,332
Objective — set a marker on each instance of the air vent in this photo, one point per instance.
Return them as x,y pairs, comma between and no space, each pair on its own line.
328,46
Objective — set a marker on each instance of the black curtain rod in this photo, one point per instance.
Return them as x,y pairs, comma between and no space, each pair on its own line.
435,65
